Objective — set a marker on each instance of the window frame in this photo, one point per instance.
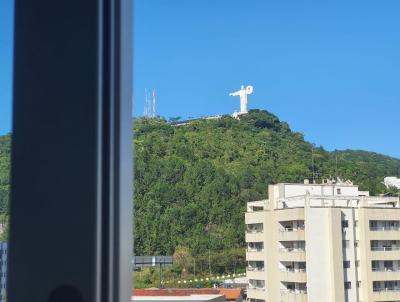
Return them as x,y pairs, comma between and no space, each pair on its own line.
71,172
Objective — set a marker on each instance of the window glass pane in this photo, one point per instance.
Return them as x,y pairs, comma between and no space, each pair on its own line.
6,48
200,164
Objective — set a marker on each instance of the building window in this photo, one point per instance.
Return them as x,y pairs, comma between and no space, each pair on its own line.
358,283
339,191
357,263
347,285
346,264
356,243
345,223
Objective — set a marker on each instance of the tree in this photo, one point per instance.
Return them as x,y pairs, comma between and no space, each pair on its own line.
183,258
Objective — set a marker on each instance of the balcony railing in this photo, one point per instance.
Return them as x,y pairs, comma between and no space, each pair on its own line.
292,250
290,229
385,248
385,269
254,231
294,291
256,287
388,289
255,250
385,228
255,269
294,270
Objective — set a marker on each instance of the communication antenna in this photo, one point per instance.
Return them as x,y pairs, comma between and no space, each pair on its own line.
149,103
153,113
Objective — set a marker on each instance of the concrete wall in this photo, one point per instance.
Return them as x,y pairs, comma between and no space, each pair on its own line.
324,255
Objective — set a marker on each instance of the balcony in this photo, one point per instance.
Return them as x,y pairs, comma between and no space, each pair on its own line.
256,288
254,255
386,294
291,234
254,293
256,206
254,217
290,214
384,228
385,248
294,296
380,272
292,254
384,233
254,236
385,252
293,275
255,273
254,232
384,255
383,275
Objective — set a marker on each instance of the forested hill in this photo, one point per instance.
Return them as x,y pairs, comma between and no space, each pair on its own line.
192,182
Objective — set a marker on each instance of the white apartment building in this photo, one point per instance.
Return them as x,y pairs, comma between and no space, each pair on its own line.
325,242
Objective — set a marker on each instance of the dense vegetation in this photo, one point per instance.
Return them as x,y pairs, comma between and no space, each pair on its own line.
192,181
5,150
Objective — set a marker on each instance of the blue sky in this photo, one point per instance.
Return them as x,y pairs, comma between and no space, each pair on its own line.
6,35
331,70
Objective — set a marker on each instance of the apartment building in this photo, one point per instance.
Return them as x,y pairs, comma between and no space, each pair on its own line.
326,242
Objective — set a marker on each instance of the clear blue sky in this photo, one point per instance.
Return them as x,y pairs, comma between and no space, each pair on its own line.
331,70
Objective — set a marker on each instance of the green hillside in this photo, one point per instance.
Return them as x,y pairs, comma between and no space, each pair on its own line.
192,182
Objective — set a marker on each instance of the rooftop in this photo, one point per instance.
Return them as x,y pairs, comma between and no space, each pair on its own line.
326,194
231,294
198,298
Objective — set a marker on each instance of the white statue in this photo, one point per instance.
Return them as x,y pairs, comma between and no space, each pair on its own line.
243,93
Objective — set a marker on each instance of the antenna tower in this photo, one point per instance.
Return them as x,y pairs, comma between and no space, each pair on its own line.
149,103
153,112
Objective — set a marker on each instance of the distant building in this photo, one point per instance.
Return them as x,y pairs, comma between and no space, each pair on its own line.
392,181
325,242
3,270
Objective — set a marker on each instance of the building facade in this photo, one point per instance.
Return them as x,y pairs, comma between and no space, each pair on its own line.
325,242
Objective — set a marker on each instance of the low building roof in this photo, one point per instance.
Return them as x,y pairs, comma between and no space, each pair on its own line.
194,298
229,293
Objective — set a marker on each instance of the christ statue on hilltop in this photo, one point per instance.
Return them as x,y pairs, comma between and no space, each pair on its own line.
242,93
